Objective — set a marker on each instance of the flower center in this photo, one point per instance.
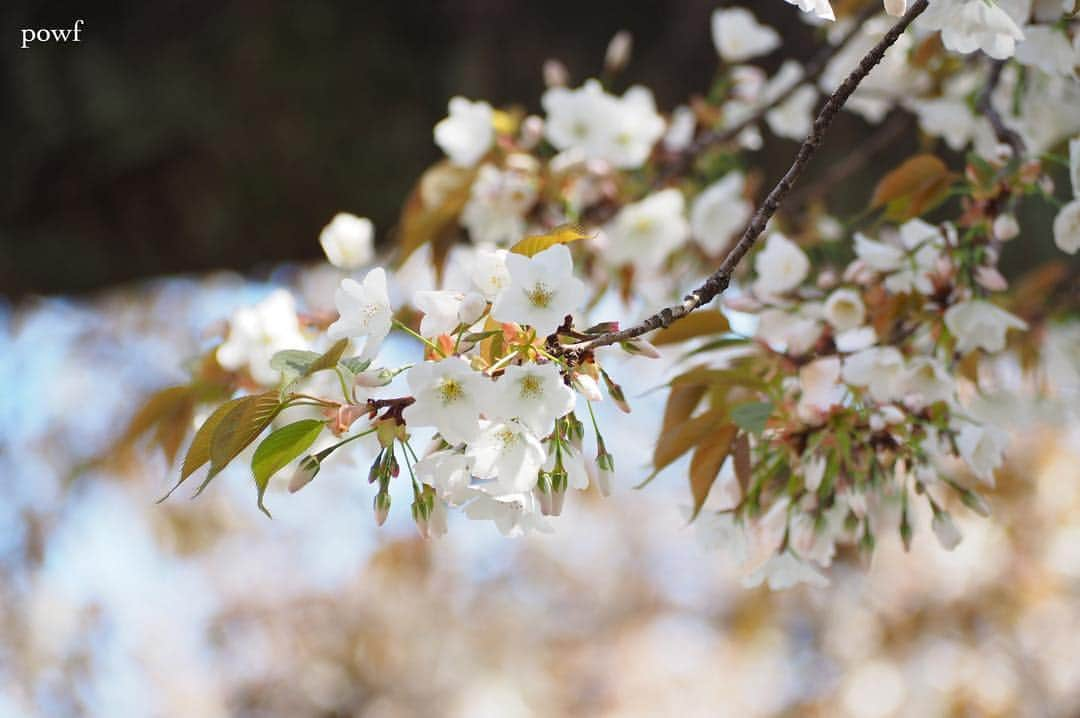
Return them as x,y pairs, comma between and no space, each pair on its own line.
531,387
508,438
540,295
450,391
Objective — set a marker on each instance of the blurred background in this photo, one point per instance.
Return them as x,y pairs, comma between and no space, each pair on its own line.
177,164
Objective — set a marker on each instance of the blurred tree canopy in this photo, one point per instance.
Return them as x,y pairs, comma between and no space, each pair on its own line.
190,136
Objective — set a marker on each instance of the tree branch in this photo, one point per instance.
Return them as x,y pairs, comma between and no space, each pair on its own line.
1004,133
814,67
716,283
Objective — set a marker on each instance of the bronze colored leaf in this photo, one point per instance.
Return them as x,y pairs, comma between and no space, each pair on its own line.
239,427
199,451
160,404
698,324
743,469
682,438
706,462
918,185
681,403
433,207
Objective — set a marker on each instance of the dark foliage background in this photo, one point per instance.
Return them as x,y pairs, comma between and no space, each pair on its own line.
188,135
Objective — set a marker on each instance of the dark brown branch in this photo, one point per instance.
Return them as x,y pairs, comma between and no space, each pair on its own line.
814,68
1005,134
721,278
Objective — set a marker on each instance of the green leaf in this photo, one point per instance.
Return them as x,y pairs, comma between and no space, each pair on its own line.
752,416
237,428
199,451
293,363
355,364
277,450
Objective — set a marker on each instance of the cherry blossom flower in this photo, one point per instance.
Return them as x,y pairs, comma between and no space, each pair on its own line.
445,310
982,448
621,131
513,514
498,202
979,324
534,394
970,25
510,454
738,36
821,388
467,133
879,369
792,332
927,381
257,333
844,309
542,290
449,396
878,256
1047,48
820,8
781,266
719,212
449,473
348,241
644,233
489,273
365,311
1067,228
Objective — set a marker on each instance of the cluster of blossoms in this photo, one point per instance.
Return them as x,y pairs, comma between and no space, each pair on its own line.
846,396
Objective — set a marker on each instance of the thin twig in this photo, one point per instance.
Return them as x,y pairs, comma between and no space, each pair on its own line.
721,278
1004,133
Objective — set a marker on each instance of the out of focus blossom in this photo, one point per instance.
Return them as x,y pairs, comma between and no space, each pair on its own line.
738,36
644,233
467,133
348,241
257,333
781,266
719,212
970,25
978,324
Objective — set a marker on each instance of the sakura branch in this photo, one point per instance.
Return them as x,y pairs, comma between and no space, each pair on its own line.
843,414
719,280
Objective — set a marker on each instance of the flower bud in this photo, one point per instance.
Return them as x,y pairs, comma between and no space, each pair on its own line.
605,477
305,472
382,507
348,241
896,8
532,131
1006,227
947,534
618,51
975,502
641,347
555,74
